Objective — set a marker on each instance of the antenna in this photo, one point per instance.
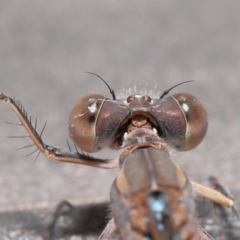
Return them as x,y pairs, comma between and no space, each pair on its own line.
167,91
111,90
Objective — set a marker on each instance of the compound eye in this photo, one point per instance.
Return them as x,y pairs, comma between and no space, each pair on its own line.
82,122
196,119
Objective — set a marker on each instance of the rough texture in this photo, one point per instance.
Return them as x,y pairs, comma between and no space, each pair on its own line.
45,47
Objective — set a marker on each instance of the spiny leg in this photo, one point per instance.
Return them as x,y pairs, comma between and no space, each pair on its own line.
54,153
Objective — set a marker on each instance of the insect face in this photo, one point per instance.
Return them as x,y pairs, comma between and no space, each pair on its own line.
97,122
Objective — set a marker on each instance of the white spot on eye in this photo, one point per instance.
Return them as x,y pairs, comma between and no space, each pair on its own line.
185,107
78,116
72,125
155,130
92,107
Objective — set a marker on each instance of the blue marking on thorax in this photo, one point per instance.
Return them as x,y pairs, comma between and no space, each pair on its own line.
147,238
158,203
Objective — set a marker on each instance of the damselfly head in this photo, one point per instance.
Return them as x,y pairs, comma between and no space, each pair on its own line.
97,122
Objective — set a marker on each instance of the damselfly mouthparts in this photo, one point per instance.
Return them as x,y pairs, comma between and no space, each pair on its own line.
151,197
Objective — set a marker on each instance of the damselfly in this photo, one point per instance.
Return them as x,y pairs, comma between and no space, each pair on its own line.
151,197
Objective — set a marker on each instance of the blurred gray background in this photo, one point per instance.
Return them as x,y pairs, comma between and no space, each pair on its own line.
45,48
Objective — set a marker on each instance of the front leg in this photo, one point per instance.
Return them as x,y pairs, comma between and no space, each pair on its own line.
54,153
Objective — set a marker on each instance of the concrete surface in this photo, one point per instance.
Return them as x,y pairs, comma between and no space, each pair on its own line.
45,48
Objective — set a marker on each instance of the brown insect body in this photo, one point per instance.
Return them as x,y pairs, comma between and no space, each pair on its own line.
151,197
148,179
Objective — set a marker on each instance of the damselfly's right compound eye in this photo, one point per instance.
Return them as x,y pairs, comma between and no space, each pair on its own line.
93,122
82,122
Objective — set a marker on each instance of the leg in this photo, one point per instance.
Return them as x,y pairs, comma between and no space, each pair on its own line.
54,152
108,231
203,235
224,215
64,208
212,194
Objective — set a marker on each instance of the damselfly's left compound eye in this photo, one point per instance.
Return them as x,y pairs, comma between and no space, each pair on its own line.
182,120
195,117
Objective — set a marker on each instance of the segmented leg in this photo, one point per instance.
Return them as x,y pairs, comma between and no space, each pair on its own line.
108,231
54,153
